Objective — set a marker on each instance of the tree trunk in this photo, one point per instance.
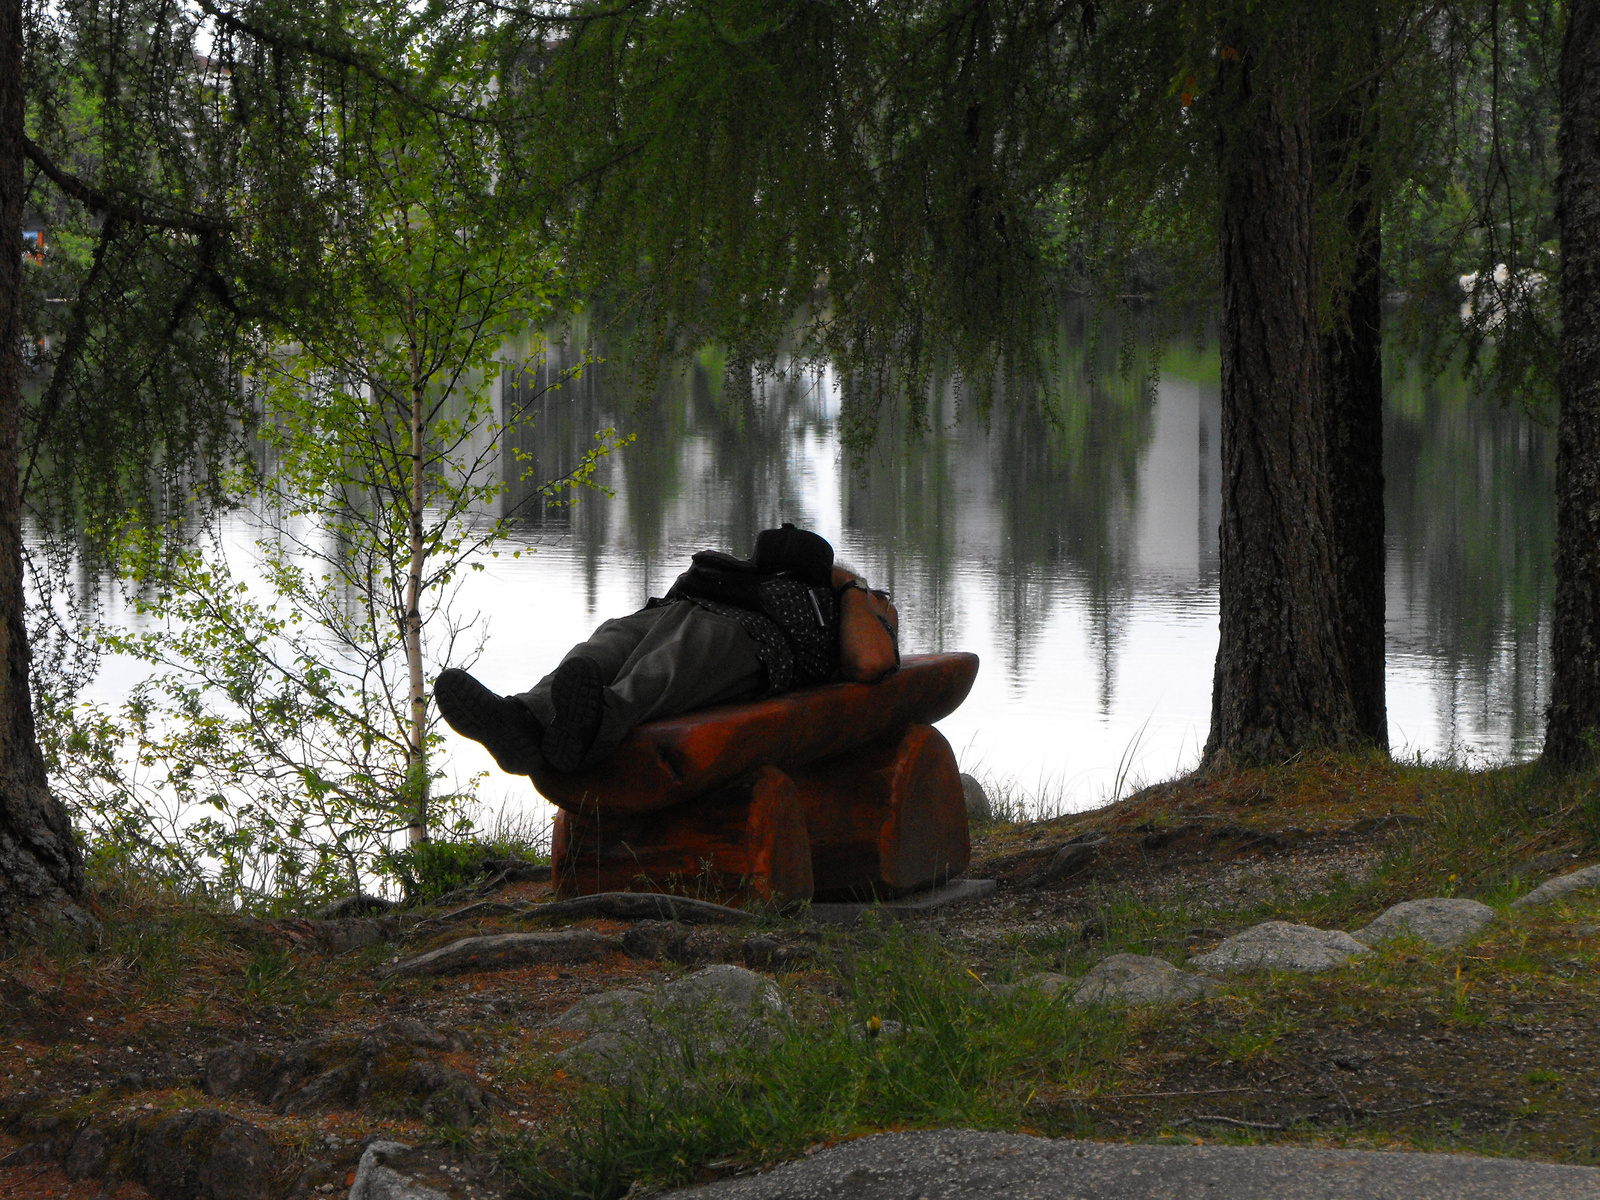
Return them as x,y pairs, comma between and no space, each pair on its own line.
1574,719
1280,685
417,749
41,870
1352,366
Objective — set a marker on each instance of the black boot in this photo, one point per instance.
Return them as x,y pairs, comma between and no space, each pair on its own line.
579,698
505,726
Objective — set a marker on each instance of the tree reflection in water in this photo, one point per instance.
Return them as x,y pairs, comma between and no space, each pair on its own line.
1072,544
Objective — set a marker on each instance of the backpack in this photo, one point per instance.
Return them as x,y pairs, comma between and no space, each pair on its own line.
786,552
788,580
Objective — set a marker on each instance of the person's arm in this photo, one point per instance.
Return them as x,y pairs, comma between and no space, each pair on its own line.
869,629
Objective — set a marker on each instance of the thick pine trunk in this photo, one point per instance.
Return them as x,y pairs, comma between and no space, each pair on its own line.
1280,685
1352,378
1574,721
41,871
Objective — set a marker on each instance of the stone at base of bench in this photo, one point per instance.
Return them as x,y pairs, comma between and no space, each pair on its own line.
880,821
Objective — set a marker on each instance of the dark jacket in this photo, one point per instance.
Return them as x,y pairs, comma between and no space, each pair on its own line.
782,596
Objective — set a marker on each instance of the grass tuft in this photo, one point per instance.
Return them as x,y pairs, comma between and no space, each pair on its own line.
959,1055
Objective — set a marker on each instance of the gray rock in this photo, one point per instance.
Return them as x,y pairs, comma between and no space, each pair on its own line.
377,1176
202,1154
234,1068
355,933
355,906
711,1010
449,1095
968,1165
499,951
90,1152
762,953
725,987
1439,920
1074,858
1561,885
387,1064
652,940
979,810
42,1153
408,1031
675,941
1140,979
602,1010
1280,946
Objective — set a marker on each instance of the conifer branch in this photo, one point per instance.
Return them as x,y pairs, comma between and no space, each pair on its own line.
104,202
340,56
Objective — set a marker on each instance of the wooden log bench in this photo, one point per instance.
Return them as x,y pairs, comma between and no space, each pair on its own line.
838,792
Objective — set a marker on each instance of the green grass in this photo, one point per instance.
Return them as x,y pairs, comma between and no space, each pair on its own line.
433,869
269,974
962,1057
1251,1043
967,1058
1483,822
1462,1049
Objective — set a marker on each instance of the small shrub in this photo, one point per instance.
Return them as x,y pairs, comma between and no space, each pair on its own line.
429,870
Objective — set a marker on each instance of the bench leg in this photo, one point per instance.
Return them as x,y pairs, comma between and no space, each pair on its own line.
886,820
744,842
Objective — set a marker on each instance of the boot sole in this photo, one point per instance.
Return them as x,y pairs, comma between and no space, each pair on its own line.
475,712
579,697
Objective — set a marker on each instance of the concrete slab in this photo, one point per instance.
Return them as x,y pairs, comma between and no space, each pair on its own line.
966,1165
918,904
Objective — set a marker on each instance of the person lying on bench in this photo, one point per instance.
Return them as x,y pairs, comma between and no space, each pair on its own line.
729,630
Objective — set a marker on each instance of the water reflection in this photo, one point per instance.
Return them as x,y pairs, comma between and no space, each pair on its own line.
1074,551
1470,504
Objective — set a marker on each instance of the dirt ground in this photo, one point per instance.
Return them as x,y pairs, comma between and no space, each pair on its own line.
1493,1047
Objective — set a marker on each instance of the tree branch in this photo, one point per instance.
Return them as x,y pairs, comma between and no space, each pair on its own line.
103,202
344,58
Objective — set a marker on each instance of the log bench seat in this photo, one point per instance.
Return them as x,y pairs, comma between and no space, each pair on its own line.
838,792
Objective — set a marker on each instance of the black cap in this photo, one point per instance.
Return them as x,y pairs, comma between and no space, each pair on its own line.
799,552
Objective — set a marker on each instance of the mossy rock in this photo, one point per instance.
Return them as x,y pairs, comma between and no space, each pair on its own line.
389,1069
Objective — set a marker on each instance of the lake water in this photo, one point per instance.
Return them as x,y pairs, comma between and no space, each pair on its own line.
1076,557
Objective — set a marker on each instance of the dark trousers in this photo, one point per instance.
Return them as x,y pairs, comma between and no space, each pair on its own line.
661,662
